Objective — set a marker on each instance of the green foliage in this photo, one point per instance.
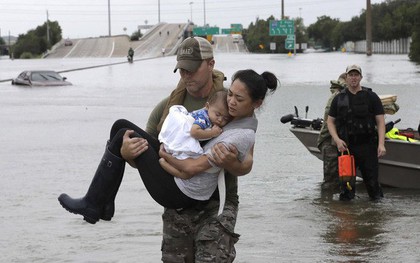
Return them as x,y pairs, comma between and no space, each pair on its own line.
35,42
300,31
322,31
136,35
393,19
414,54
390,20
26,55
3,49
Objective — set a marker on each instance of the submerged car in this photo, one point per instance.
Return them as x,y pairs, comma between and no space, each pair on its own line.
40,78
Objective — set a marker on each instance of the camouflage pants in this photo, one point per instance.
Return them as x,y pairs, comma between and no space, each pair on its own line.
198,235
330,167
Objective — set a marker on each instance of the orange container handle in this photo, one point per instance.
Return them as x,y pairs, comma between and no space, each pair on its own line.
347,150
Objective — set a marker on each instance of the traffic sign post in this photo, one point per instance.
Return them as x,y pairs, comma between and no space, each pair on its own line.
282,27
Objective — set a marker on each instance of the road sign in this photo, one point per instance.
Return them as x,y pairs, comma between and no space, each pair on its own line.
273,46
289,44
226,31
282,27
204,31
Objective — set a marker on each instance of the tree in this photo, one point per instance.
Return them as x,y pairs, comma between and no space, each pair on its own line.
136,35
414,54
322,31
36,42
3,49
300,31
257,37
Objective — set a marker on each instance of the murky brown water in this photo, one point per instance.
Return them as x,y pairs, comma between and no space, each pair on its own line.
52,139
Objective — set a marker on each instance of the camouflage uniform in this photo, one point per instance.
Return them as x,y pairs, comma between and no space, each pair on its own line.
326,144
197,235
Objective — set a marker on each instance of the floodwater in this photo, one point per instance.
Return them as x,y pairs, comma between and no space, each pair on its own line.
53,138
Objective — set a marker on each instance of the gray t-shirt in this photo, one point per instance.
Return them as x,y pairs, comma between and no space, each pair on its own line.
240,134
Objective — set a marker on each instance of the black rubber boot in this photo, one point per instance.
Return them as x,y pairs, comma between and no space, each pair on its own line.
374,190
109,208
348,190
100,191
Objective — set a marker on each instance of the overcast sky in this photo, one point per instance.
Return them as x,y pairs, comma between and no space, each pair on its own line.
89,18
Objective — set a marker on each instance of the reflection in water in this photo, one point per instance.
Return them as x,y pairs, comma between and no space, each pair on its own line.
355,229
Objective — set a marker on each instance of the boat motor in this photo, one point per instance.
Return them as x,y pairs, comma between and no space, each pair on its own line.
298,122
302,122
390,125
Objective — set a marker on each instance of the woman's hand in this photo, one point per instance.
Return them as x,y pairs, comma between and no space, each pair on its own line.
132,148
187,167
163,154
222,156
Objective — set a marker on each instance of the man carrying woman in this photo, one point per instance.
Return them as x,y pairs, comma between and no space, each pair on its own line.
183,229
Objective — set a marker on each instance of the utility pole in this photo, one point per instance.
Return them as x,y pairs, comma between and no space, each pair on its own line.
191,3
204,4
158,11
282,9
48,29
368,28
109,17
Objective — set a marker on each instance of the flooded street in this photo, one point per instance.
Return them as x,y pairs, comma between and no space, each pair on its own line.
53,138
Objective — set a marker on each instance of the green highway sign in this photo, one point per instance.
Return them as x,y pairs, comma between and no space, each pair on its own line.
226,31
205,31
236,28
213,31
199,31
281,27
239,26
289,44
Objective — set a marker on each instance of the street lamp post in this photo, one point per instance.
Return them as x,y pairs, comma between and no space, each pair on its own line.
109,17
204,4
158,11
368,28
191,3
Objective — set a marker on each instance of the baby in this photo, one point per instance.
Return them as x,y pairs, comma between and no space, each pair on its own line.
182,131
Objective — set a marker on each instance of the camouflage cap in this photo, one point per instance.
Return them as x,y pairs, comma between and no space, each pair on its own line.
354,68
341,81
192,52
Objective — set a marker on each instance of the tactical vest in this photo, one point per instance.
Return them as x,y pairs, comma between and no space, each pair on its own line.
355,119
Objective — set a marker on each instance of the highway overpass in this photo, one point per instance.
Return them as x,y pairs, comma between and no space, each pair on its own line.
162,36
